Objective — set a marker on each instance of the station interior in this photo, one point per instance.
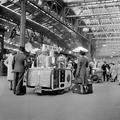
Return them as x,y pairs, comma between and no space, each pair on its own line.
62,27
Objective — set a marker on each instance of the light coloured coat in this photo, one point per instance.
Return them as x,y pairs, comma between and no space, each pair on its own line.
8,64
113,71
118,72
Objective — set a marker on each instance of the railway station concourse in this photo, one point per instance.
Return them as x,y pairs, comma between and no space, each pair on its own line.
58,28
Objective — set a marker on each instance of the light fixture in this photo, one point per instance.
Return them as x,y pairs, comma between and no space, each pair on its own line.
85,29
39,2
113,52
111,56
70,52
104,45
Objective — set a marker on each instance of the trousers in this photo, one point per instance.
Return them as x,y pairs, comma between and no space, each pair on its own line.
18,82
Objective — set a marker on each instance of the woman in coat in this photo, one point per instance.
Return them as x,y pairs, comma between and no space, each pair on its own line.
113,72
82,66
10,74
118,72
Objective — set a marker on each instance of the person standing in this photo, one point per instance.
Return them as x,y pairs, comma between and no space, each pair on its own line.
118,72
10,74
74,66
106,68
82,66
19,64
91,66
114,72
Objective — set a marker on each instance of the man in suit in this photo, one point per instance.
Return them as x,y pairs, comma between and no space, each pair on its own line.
18,64
106,68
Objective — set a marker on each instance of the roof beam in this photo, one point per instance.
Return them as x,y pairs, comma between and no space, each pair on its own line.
105,38
92,15
89,2
102,17
99,25
104,33
95,4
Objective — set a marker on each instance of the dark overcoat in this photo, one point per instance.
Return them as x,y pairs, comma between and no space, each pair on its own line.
19,63
19,66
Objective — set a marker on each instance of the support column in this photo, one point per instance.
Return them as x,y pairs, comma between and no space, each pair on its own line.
89,48
2,66
1,43
22,23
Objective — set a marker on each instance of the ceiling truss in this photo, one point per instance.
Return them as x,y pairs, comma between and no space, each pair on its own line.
102,17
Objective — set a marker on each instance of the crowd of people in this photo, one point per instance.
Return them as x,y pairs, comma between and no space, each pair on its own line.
82,69
110,70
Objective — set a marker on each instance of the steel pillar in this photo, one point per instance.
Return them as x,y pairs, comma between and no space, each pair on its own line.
22,23
3,71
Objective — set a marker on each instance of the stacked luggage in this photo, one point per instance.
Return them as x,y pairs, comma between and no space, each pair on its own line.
82,89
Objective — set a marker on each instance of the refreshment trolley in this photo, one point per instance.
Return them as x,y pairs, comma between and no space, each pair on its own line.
49,79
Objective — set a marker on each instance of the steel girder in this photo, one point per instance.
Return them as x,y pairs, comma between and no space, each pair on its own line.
67,24
97,16
67,28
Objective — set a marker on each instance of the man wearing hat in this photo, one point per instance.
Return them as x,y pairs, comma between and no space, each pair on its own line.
106,68
18,64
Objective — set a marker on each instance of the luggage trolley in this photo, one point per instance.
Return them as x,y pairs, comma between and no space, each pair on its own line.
97,75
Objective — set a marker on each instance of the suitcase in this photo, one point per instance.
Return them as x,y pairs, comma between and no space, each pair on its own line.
89,88
80,89
76,89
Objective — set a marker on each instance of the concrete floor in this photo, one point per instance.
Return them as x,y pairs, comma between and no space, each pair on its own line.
103,104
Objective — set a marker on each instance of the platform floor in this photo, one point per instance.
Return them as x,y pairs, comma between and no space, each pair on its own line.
103,104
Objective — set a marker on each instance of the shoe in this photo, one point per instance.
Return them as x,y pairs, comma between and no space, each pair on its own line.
11,89
14,92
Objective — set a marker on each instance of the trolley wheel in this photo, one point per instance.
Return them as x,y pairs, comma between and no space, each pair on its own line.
61,91
39,92
67,89
95,78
